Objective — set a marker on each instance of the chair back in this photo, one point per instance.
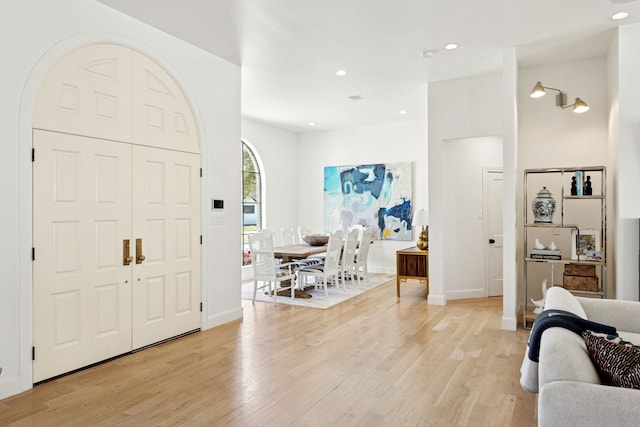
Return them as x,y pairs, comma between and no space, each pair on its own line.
332,258
262,259
363,249
270,233
359,228
287,237
349,250
302,231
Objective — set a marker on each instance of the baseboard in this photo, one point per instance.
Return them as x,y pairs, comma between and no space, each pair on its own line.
224,317
466,294
9,386
509,323
388,270
437,299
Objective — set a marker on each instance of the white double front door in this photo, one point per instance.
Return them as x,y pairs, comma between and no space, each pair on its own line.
116,233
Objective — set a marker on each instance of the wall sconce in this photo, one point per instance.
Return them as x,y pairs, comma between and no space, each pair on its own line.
579,106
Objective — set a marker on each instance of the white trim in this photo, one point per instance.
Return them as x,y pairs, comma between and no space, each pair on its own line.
466,294
437,299
509,323
225,317
263,182
385,270
25,208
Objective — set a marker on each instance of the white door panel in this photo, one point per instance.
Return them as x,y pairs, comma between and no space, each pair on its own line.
166,200
82,295
493,203
88,305
160,111
88,92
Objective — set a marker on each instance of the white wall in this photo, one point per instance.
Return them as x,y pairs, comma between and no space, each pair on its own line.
460,108
509,159
464,264
371,144
549,136
32,42
624,116
552,137
278,151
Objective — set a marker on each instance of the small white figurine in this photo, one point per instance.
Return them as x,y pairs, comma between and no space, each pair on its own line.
552,246
538,245
540,303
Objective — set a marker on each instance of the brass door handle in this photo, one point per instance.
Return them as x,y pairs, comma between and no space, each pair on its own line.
126,252
139,257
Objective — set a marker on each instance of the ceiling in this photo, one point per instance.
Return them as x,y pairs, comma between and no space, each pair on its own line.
290,50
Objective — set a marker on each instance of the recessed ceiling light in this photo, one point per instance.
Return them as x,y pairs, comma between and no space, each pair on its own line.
402,112
620,15
312,123
429,53
450,46
341,73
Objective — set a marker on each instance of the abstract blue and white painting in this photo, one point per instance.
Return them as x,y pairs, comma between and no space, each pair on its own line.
376,195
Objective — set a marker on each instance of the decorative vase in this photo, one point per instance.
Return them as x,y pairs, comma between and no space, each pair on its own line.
423,238
543,206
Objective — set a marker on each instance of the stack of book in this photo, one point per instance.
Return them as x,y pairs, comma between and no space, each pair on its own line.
545,254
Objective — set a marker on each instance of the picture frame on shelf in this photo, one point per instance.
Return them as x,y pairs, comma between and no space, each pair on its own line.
585,245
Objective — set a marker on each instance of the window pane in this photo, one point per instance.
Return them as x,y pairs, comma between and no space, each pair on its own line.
251,186
251,200
248,162
249,217
246,254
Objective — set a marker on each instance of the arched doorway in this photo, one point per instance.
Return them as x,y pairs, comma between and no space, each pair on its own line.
116,209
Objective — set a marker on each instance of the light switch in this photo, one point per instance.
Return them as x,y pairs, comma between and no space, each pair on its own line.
217,218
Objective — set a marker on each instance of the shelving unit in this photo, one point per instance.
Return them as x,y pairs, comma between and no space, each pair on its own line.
574,214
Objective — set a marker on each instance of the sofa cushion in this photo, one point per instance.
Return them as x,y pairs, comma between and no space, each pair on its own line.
630,336
617,360
624,315
559,298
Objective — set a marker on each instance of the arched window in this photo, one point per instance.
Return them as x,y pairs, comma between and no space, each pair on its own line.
251,199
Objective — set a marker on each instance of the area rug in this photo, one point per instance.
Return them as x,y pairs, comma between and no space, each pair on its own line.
318,298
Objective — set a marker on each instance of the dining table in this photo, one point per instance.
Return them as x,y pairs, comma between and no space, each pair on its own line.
290,253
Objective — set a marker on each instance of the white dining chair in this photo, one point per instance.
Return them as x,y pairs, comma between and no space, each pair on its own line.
267,271
303,231
287,236
269,233
360,228
348,260
328,271
362,254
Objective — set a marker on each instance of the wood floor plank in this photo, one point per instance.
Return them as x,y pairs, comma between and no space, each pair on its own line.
373,360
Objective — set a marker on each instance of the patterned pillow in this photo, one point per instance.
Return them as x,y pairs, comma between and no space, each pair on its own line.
617,360
614,339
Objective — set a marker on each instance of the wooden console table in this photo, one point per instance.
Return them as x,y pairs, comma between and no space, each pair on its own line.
412,263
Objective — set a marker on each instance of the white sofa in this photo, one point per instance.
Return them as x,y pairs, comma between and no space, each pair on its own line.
571,393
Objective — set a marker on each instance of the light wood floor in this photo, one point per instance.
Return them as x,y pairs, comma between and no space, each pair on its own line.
371,361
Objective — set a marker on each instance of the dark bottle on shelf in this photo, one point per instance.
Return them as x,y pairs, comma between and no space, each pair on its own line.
588,191
574,187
